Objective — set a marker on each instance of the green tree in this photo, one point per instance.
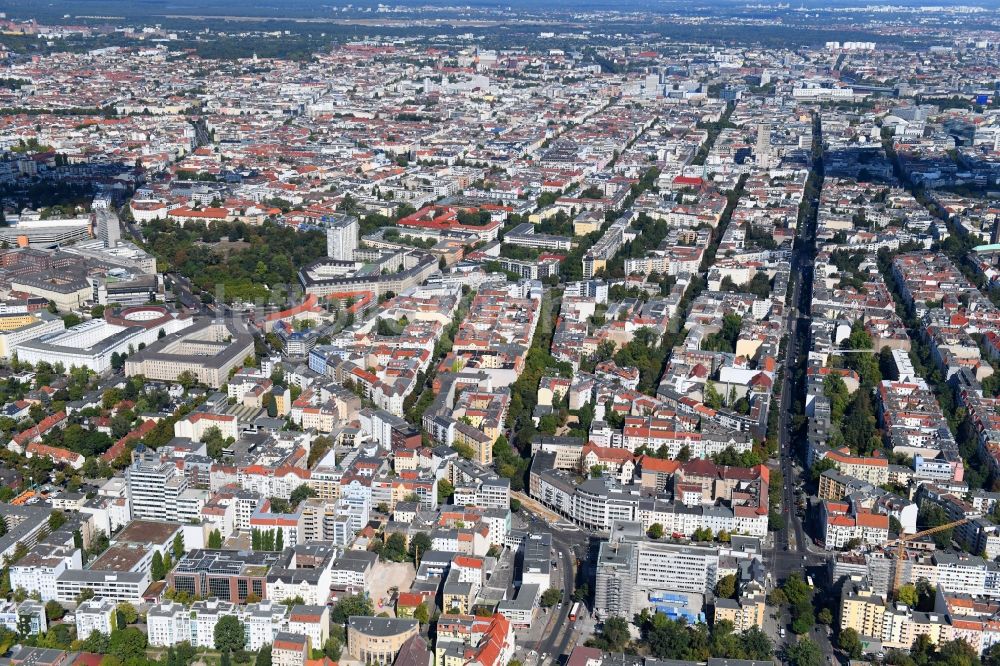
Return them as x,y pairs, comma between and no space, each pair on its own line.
712,397
421,614
332,648
850,642
756,645
394,548
54,610
673,639
348,606
803,618
775,521
821,466
726,587
724,643
229,633
702,534
907,594
803,652
796,590
551,597
127,644
215,539
420,543
445,491
301,493
56,520
270,404
177,548
859,426
464,450
187,380
615,634
127,614
97,642
263,656
957,653
655,531
836,390
156,569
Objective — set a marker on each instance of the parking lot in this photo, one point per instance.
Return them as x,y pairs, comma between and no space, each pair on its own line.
385,577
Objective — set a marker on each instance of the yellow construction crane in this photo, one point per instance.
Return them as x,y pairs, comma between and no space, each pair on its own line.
901,542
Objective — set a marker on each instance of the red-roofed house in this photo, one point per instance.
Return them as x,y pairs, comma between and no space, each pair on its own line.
36,432
118,447
55,454
289,649
618,462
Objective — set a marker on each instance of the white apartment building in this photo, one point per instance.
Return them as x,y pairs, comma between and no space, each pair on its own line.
194,426
11,614
154,487
676,567
263,622
311,621
95,615
37,572
486,494
270,482
342,238
963,575
169,623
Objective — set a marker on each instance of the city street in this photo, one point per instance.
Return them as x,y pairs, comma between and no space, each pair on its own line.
792,549
557,636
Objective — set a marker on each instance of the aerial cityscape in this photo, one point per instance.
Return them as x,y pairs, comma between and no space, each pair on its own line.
499,334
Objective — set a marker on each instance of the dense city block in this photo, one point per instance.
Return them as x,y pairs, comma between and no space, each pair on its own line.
499,335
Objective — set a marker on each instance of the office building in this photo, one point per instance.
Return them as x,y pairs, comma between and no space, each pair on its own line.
228,575
209,349
113,585
18,327
92,343
634,572
107,227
